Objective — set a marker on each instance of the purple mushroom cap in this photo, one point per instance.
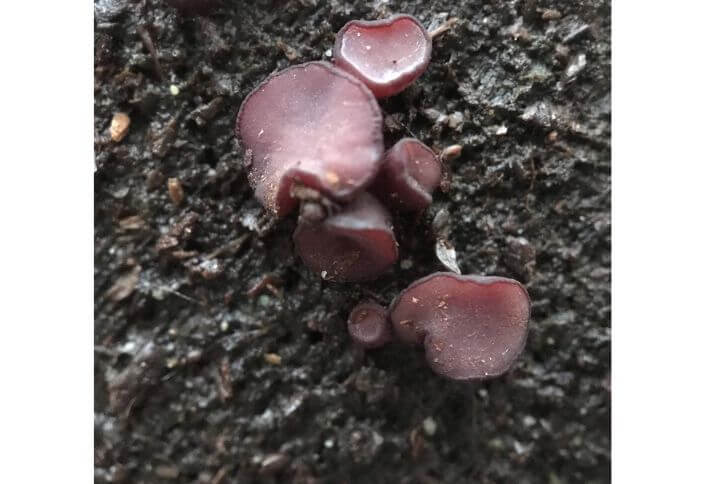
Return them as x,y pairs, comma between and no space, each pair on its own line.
369,325
387,55
311,124
472,327
356,244
409,175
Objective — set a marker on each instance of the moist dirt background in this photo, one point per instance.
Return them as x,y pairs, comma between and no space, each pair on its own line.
219,358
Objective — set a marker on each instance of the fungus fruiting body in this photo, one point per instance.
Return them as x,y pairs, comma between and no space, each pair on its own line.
387,55
356,244
369,325
409,175
312,134
311,124
472,327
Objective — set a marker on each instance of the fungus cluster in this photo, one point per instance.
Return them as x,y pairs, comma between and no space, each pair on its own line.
312,140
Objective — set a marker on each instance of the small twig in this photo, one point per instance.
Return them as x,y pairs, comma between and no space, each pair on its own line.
268,282
401,125
441,29
180,295
229,248
149,44
576,33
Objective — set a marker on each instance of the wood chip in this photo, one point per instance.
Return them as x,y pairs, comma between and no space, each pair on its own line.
441,29
290,53
224,381
272,358
125,285
131,223
451,152
273,463
176,192
119,126
551,14
167,472
163,139
166,242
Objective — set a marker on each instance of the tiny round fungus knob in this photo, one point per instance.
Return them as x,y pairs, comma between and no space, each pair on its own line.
387,55
369,326
472,327
356,244
314,125
409,175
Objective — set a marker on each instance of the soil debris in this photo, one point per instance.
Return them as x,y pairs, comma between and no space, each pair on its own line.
119,126
124,285
176,192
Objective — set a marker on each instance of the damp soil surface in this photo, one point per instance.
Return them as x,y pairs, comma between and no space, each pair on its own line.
219,358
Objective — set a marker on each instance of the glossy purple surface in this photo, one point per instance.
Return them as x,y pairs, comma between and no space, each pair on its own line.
356,244
311,124
472,327
408,176
369,325
387,55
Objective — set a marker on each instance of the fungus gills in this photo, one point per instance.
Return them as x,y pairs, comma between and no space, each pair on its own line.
369,325
472,327
314,125
387,55
409,175
356,244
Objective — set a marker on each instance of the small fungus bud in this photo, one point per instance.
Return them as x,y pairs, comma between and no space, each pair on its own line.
387,55
409,175
314,125
369,325
356,244
472,327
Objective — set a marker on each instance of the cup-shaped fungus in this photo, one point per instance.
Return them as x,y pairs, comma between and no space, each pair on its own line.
409,175
472,327
356,244
387,55
314,125
369,325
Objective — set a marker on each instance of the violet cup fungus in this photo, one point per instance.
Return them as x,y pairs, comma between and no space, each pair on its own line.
409,175
356,244
387,55
311,124
369,325
472,327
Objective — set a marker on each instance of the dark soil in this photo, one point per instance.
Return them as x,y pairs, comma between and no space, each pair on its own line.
219,358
